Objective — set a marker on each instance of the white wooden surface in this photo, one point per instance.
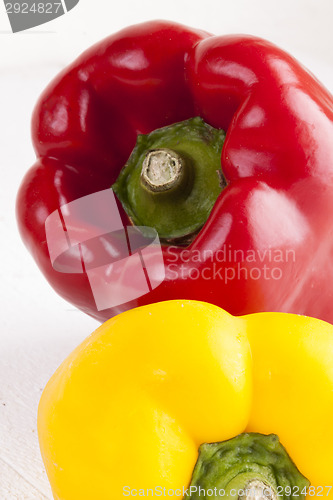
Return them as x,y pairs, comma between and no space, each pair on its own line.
37,328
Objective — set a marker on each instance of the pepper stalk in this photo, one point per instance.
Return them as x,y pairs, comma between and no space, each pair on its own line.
173,178
250,466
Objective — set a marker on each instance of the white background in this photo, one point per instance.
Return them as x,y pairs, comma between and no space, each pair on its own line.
38,329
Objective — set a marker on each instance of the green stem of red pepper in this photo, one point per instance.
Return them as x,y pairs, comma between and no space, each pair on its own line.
164,170
173,178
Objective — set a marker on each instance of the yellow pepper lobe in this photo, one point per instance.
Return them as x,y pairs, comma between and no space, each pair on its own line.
131,405
293,390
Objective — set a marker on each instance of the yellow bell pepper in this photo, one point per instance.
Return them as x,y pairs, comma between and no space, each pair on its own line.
127,411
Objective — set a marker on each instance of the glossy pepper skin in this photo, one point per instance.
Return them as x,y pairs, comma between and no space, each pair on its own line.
132,404
277,160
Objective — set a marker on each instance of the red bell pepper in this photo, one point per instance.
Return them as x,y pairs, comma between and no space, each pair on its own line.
268,243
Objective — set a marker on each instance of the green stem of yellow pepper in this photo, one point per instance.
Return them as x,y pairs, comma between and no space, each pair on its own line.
248,467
